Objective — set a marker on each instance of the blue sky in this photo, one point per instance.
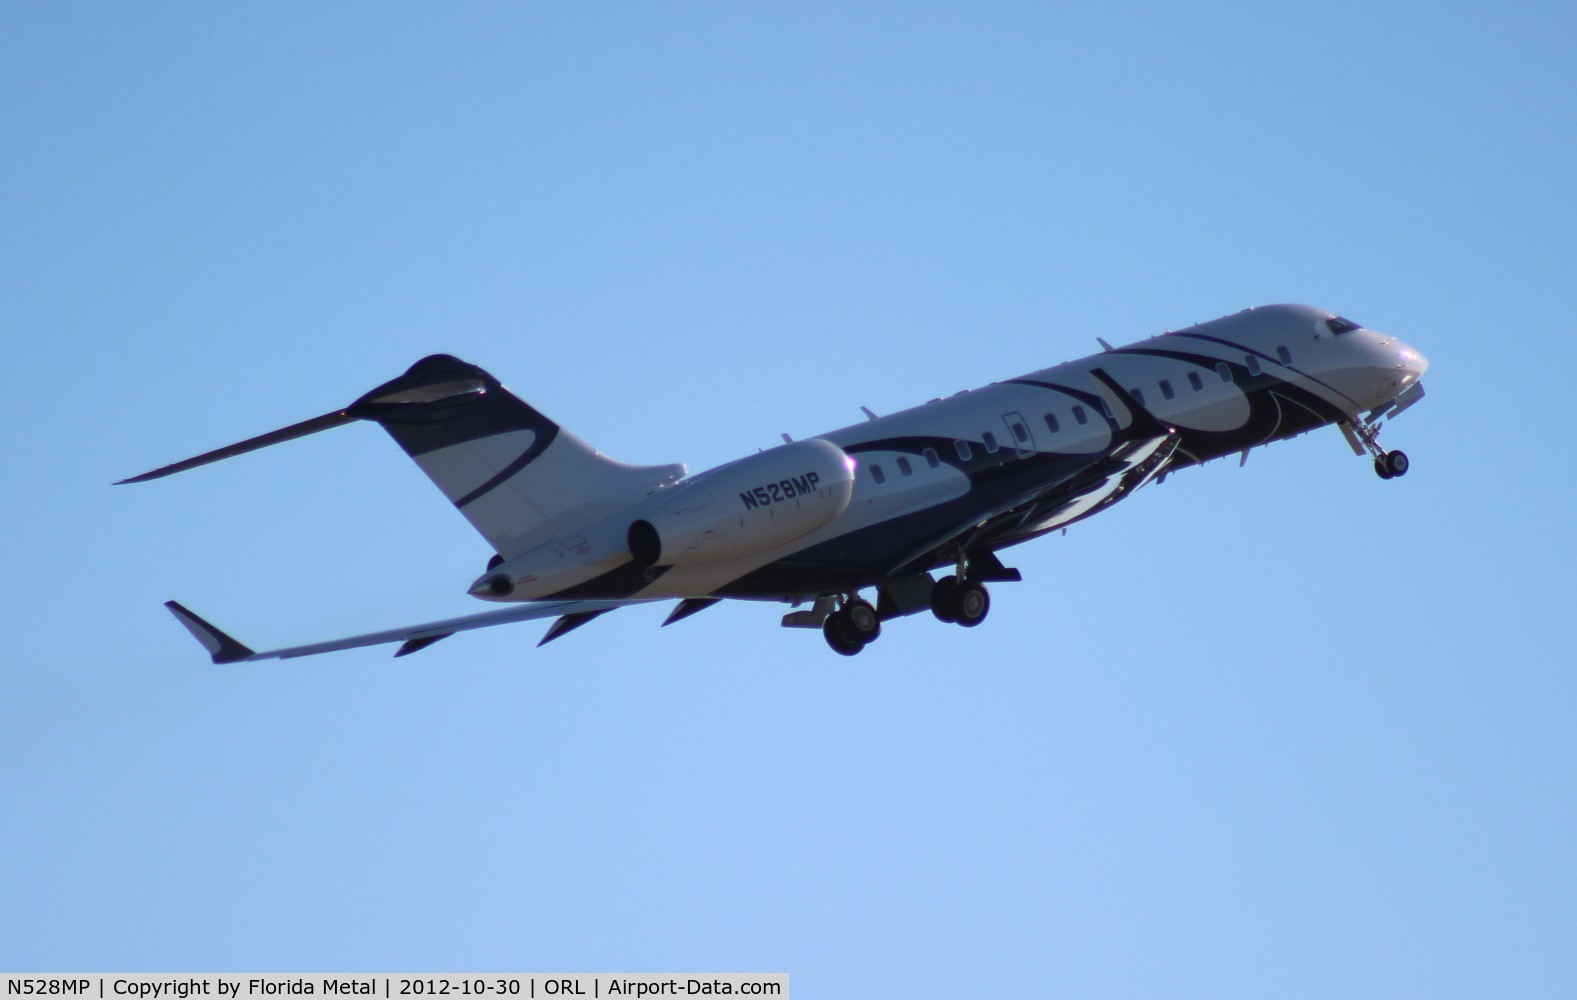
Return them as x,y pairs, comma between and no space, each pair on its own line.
1283,730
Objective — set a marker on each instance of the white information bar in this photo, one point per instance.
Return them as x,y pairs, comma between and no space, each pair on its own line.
389,985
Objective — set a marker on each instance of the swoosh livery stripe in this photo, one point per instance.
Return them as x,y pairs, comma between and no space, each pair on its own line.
537,447
1260,354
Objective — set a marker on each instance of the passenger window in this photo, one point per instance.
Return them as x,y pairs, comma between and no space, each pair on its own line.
1020,433
990,440
1106,408
878,475
1051,423
903,466
1284,354
964,453
1166,389
1138,395
1253,364
1224,370
1195,381
1079,416
931,459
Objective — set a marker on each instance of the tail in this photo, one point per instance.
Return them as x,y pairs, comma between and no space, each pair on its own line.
518,477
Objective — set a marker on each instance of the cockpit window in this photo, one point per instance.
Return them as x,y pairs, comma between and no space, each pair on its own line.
1340,325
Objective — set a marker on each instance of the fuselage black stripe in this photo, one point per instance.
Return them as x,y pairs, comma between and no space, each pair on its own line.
544,438
1249,350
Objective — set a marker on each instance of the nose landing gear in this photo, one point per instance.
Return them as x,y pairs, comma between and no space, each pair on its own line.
1387,464
1391,464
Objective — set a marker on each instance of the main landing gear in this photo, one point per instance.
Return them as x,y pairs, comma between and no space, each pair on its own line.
852,627
960,601
849,623
1387,464
962,598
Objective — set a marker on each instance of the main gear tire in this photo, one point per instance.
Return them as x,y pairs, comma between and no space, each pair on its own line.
941,596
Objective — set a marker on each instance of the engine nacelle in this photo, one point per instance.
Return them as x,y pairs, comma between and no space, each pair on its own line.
745,507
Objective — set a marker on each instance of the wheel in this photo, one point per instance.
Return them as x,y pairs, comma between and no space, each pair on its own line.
941,593
835,630
863,621
1396,463
1381,469
969,604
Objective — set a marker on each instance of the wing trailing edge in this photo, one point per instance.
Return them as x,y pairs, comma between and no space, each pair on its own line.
1144,422
224,648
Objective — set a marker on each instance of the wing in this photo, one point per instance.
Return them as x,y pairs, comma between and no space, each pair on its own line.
1081,493
1093,488
225,649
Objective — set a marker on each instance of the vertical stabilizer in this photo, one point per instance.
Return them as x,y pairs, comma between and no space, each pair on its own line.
518,477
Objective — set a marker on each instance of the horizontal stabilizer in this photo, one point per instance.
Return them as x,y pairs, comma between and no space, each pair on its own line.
518,477
323,423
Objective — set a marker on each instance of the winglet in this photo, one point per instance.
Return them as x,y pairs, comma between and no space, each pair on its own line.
1143,420
222,647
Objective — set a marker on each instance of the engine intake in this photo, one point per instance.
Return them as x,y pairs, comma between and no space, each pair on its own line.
645,544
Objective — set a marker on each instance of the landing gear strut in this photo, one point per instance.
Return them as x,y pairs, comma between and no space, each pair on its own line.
852,627
1387,464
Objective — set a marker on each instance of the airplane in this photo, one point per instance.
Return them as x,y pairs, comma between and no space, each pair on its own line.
877,506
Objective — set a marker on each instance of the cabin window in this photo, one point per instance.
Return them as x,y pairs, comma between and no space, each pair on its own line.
990,440
931,459
1253,364
1020,433
1195,381
962,447
904,467
1051,423
1284,354
1079,415
878,475
1138,396
1106,408
1224,370
1166,389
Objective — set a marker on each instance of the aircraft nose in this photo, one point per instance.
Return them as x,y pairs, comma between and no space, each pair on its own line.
1412,360
1410,363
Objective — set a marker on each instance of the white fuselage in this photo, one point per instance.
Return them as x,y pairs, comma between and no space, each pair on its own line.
1225,386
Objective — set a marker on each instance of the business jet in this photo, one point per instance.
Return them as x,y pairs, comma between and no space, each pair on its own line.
876,507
